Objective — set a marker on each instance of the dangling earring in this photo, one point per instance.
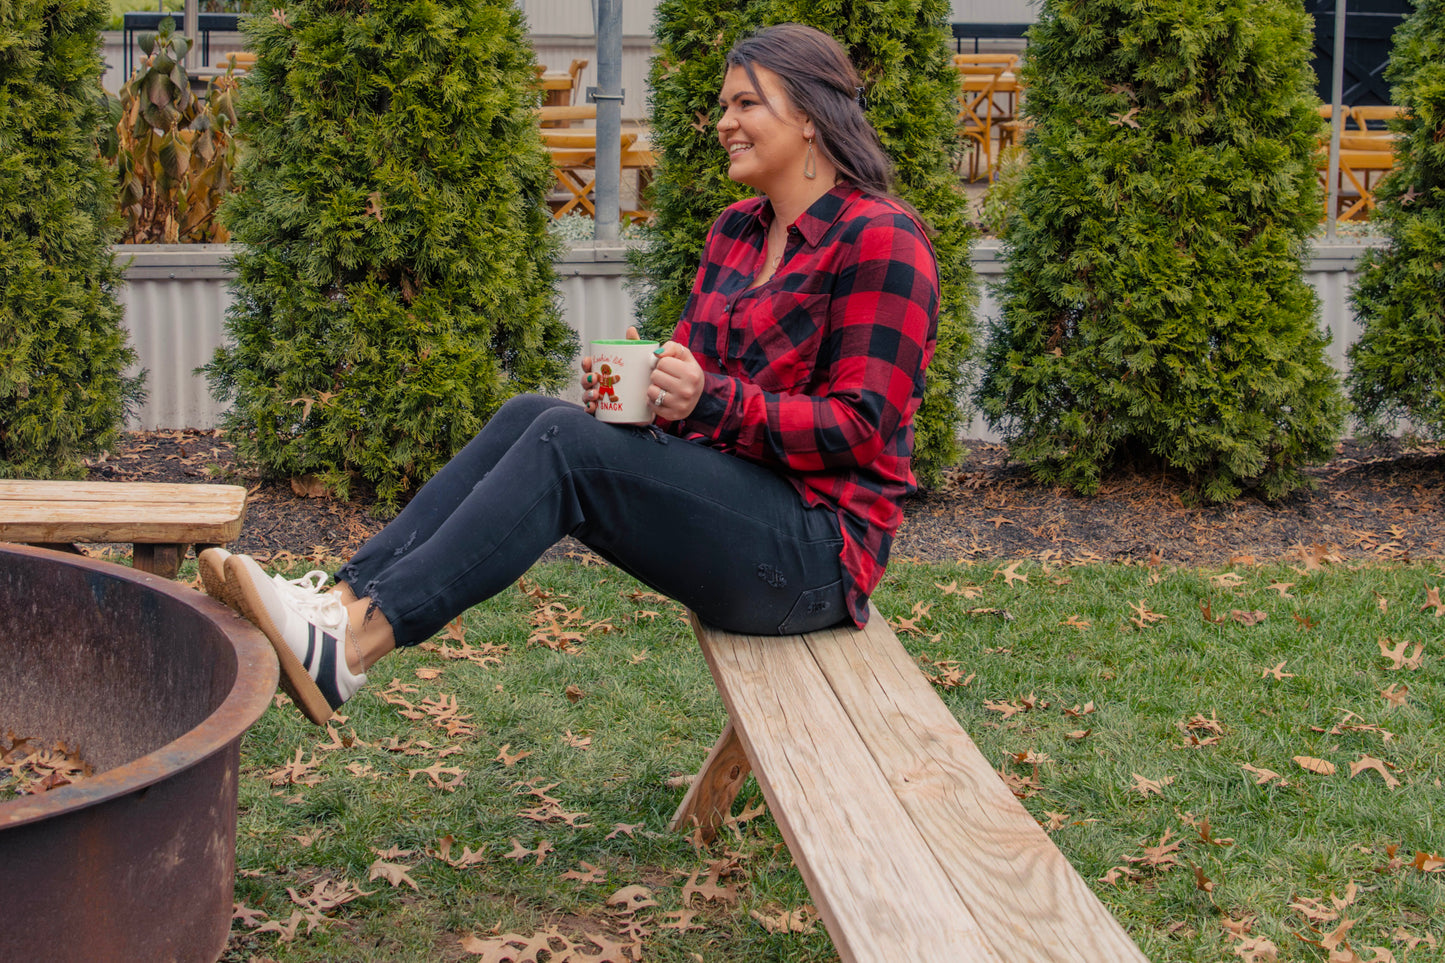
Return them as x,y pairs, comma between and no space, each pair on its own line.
810,162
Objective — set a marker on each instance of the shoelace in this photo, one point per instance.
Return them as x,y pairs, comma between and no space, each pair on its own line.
305,597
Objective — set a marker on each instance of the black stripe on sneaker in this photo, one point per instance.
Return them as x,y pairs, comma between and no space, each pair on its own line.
325,674
310,651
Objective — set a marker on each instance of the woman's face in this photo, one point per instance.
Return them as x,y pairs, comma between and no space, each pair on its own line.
766,137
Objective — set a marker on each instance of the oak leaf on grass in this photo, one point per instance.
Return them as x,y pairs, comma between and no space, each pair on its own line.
1159,857
1397,655
1262,777
520,852
1278,672
1143,617
804,919
394,873
1010,573
1257,949
508,758
632,898
1321,767
1145,786
1378,765
1432,601
1396,697
587,873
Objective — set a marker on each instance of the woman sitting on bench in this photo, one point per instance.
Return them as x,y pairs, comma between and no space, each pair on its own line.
765,494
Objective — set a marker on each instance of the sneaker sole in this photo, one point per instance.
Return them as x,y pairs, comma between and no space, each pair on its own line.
216,584
295,680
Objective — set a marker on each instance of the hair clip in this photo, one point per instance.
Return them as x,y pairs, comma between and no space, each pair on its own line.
862,101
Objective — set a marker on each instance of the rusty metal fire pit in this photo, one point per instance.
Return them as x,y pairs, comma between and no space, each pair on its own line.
154,684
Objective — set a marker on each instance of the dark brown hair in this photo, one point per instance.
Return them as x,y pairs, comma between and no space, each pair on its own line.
820,81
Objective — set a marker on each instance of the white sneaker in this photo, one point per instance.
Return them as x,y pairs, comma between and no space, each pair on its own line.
306,627
212,563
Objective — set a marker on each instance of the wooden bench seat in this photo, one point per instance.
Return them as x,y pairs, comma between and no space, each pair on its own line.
159,520
910,844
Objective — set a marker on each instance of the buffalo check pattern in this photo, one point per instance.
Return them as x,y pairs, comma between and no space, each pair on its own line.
817,372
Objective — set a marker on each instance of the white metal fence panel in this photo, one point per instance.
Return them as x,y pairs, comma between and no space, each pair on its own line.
175,300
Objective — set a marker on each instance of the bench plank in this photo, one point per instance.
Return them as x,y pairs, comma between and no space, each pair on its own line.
879,892
998,857
166,513
872,781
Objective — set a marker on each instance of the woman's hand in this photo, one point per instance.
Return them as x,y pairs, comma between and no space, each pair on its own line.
589,380
677,382
676,385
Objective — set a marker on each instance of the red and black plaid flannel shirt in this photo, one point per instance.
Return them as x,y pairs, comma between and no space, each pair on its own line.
817,372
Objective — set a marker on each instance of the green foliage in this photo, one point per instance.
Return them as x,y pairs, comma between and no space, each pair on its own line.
62,347
900,49
1154,306
394,272
174,151
1397,368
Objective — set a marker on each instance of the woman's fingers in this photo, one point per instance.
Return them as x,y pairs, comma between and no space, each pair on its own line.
589,385
677,382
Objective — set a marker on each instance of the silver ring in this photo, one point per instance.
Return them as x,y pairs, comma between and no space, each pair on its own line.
661,393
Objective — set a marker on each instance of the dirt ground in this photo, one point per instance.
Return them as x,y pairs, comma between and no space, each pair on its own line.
1369,502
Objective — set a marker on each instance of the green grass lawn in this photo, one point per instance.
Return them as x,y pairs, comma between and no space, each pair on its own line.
1174,728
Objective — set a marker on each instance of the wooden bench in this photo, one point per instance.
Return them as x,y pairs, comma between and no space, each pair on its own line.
159,520
910,844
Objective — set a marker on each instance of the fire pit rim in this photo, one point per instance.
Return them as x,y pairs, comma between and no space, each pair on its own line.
257,672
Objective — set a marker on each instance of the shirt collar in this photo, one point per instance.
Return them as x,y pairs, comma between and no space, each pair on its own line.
813,223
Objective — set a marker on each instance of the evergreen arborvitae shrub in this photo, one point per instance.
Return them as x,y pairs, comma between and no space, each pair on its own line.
63,351
394,270
1154,306
901,52
1397,367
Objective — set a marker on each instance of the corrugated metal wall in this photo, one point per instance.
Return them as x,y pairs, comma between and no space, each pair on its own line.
175,300
996,11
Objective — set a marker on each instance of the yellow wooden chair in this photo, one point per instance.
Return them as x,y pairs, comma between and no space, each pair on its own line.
574,163
977,85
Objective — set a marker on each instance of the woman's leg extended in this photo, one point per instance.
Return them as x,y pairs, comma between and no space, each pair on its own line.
727,538
445,491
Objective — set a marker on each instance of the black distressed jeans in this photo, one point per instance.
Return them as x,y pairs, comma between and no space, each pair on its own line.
729,539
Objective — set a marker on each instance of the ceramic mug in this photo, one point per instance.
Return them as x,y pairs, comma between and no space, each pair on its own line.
623,370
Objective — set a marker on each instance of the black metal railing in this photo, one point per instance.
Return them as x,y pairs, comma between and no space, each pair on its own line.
137,22
987,31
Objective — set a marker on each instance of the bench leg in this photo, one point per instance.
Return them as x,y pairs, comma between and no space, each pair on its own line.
709,799
162,560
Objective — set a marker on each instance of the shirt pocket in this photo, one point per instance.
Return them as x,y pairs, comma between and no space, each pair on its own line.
775,338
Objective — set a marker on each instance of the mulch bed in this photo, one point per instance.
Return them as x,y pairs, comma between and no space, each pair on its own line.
1377,501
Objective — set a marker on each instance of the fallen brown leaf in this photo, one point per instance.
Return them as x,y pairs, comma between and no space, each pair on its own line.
1378,765
394,873
1145,786
1321,766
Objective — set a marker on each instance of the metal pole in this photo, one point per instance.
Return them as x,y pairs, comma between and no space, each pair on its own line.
1337,119
608,96
191,10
